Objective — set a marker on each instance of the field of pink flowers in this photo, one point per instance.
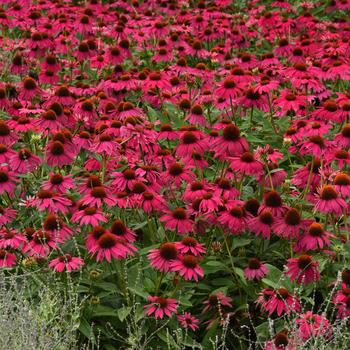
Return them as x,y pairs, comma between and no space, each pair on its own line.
183,164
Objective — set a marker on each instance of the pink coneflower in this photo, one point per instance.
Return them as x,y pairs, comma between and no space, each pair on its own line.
230,143
255,270
58,183
273,202
63,96
156,80
7,137
29,89
24,161
51,201
5,153
340,156
152,202
315,237
104,144
7,259
7,181
195,190
281,301
342,139
234,218
247,164
261,224
342,184
288,226
56,227
125,179
303,269
215,301
229,88
162,257
177,220
344,308
66,262
289,101
161,306
224,189
177,173
253,99
89,216
313,325
11,239
329,201
209,203
315,146
58,154
275,177
167,132
196,116
189,245
98,196
189,144
307,174
280,342
49,121
6,215
186,321
48,77
83,140
108,246
187,267
40,243
119,229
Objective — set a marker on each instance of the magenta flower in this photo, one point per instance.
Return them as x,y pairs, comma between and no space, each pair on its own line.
7,181
108,246
255,270
58,154
7,215
303,269
313,325
7,259
187,267
163,257
186,321
234,219
246,164
11,239
24,161
261,224
231,143
89,216
290,225
315,237
66,262
216,301
342,184
161,306
329,201
58,183
99,196
281,301
177,220
40,243
189,245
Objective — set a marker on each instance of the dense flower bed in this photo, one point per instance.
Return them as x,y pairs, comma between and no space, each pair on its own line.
185,163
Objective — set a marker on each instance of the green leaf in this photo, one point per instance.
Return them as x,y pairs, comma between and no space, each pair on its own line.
124,312
100,311
86,330
210,335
